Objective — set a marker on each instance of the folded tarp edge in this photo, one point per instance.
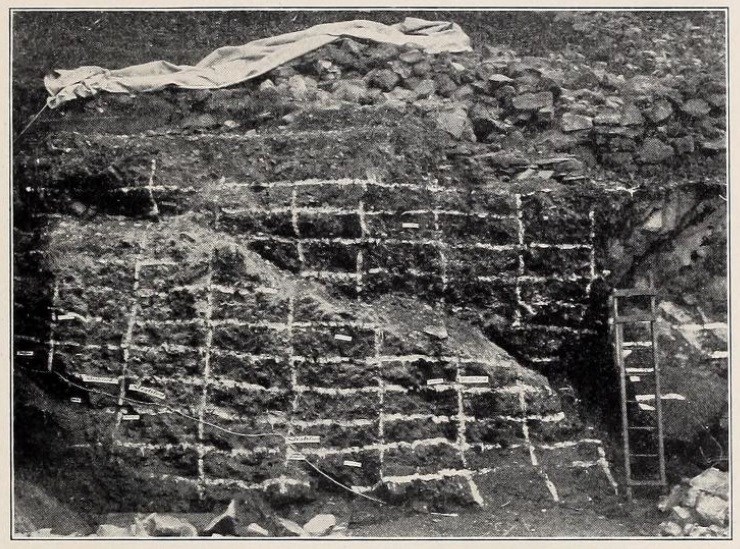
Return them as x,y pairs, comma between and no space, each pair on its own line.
232,65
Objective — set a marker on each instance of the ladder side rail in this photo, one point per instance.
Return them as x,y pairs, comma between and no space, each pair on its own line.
658,399
618,355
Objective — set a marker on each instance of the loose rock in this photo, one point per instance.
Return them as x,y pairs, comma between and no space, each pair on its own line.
532,101
320,525
575,122
654,151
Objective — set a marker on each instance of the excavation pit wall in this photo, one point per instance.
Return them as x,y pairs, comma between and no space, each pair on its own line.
173,339
528,262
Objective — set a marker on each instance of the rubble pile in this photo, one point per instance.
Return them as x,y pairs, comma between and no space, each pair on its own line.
698,507
628,125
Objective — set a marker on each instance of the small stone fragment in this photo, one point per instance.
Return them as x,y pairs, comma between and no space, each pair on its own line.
112,531
575,122
654,151
532,101
320,525
411,56
672,499
712,509
660,111
696,108
292,527
257,530
169,526
670,529
384,79
690,497
680,515
712,481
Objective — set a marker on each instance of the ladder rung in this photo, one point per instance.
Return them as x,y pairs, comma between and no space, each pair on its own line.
644,455
641,428
633,292
637,344
639,370
656,482
635,318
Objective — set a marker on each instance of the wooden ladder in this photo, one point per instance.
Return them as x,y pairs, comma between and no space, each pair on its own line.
639,372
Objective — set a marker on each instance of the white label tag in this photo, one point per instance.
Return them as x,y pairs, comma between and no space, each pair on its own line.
130,417
266,290
24,353
435,381
350,463
471,380
342,337
66,316
634,378
296,457
99,379
147,391
644,398
409,225
646,407
305,439
76,400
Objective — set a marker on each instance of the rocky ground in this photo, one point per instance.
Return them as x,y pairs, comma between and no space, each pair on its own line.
598,103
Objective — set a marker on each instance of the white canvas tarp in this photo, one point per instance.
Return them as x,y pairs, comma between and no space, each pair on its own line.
233,64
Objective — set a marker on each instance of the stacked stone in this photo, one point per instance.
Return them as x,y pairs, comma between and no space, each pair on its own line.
699,507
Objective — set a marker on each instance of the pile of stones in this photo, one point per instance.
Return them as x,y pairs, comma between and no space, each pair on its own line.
495,97
698,507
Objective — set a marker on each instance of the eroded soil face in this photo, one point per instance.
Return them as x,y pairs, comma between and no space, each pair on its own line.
430,306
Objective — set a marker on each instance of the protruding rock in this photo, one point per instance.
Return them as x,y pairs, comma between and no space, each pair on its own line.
631,116
169,526
654,151
670,529
456,123
257,530
425,88
680,515
696,108
712,481
575,122
320,525
112,531
683,145
354,91
660,111
672,499
411,56
532,101
690,497
712,509
384,79
292,527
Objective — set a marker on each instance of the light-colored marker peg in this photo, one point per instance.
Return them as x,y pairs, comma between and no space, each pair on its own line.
409,225
24,353
296,457
76,400
351,463
304,439
435,381
130,417
342,337
472,380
